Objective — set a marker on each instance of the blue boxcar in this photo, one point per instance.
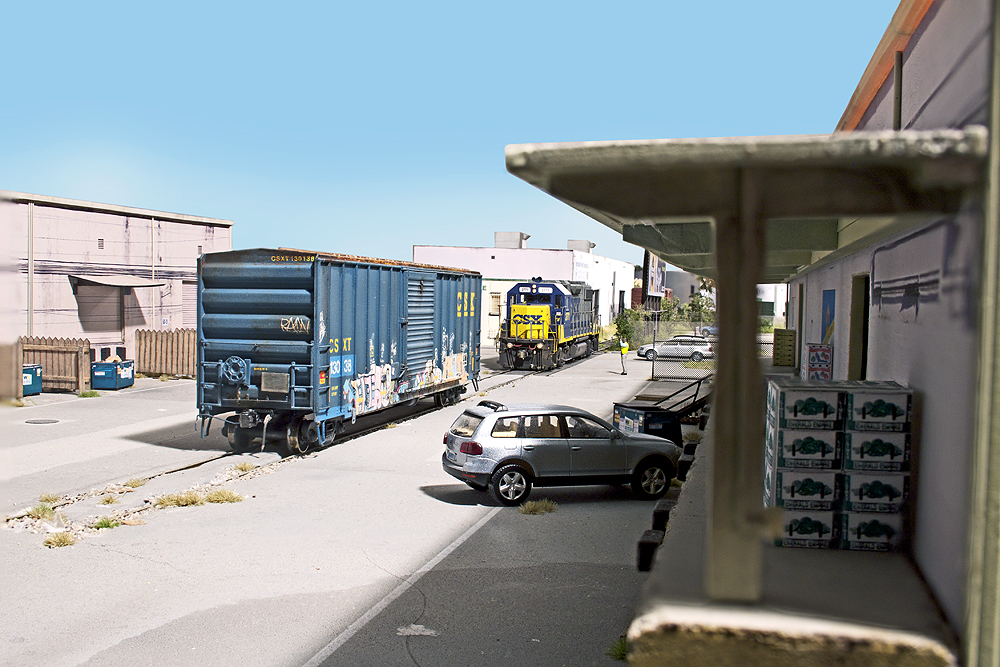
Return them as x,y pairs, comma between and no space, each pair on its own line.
295,343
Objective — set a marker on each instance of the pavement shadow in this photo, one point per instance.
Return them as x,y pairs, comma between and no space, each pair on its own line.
460,494
183,436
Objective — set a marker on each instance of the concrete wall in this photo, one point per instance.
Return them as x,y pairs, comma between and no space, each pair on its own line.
922,317
922,333
945,71
68,241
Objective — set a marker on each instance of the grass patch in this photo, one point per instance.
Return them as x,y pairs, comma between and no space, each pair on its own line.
618,650
108,500
90,393
49,498
185,499
701,365
223,496
136,482
692,436
245,466
60,539
106,522
42,512
543,506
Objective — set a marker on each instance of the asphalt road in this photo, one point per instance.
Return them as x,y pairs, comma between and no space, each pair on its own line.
312,566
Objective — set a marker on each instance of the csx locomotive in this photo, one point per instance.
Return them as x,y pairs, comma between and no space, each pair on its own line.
548,323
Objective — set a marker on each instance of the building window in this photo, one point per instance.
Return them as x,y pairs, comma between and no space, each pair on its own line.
100,244
495,303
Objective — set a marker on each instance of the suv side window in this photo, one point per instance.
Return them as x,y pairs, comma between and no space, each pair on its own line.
542,426
580,427
506,427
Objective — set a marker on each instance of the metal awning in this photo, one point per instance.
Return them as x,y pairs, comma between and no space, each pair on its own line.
115,281
744,211
818,194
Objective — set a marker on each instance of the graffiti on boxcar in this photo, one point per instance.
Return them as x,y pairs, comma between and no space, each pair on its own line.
295,324
372,391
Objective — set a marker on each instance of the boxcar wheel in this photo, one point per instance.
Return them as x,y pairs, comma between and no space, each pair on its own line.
652,479
296,438
239,439
510,485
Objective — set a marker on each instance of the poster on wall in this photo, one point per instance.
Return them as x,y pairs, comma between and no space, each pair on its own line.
656,275
829,303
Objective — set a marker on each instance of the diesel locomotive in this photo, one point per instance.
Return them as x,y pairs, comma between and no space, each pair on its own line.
548,323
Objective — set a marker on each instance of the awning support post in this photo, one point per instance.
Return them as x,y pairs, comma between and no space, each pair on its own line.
735,547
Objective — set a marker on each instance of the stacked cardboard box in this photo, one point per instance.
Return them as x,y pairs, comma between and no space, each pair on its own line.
837,460
819,362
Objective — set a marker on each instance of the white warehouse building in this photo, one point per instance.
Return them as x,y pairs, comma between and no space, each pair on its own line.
511,261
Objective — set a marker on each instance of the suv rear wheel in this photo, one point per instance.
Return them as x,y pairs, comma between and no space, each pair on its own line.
510,485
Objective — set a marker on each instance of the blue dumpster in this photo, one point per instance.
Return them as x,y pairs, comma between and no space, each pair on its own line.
644,418
111,374
32,379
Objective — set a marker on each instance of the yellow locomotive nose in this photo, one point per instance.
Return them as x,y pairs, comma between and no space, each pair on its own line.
529,322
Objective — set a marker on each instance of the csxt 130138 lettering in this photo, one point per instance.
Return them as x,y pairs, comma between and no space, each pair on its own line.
548,323
294,343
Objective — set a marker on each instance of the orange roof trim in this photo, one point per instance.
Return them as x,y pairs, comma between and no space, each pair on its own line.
905,22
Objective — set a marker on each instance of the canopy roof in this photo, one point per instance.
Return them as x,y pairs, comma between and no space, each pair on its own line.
821,195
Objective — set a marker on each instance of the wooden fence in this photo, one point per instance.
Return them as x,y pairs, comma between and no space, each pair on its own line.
166,352
65,362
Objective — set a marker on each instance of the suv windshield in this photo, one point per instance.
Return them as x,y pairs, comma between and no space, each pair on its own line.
466,425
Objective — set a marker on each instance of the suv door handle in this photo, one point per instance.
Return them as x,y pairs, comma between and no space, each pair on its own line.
529,447
576,449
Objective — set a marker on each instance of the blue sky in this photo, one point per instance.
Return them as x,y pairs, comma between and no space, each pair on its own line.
367,128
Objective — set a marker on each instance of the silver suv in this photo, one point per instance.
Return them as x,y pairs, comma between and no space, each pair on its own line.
507,449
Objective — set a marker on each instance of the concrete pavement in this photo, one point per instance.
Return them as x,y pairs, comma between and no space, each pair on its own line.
268,581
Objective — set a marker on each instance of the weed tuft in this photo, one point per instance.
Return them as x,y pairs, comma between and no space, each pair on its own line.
49,498
543,506
106,522
245,466
692,436
42,512
618,650
109,500
223,496
136,482
90,393
61,539
184,499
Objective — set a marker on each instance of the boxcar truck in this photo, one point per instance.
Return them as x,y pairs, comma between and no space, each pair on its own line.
291,344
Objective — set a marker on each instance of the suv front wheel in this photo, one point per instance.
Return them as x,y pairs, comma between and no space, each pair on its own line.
510,485
652,479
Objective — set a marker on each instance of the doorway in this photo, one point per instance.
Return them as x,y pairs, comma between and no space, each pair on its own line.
857,363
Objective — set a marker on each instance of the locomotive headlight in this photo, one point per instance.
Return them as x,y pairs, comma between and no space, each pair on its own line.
510,345
540,346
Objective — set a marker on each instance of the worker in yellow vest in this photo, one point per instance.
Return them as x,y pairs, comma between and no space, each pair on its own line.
623,346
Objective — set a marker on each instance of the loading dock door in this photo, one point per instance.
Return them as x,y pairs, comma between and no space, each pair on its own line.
100,310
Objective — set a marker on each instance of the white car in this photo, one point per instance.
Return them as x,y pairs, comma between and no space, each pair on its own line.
695,348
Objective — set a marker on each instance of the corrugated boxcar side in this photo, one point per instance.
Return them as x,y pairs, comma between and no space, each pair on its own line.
353,336
360,314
